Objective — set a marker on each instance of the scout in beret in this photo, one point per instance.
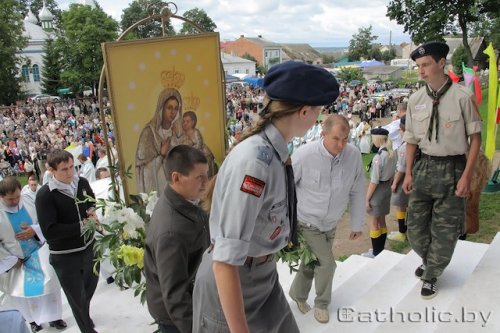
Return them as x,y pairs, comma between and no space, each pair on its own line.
442,125
253,212
437,50
379,131
300,83
378,195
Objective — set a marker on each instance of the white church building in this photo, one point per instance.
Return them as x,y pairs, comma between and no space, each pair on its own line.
32,65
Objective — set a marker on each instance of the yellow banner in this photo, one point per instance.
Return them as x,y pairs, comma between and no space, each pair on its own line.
492,103
164,92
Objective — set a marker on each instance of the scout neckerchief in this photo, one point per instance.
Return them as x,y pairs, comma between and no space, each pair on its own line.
292,202
436,95
291,194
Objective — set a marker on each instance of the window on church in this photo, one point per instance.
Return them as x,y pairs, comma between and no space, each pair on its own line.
36,73
25,73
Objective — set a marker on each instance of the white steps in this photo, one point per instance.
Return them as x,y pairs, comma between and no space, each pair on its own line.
383,294
469,286
464,260
480,297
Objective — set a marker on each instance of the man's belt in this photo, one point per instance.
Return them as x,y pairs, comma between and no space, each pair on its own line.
454,158
255,261
250,261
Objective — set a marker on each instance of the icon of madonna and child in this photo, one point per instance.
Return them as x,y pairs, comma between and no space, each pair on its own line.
168,128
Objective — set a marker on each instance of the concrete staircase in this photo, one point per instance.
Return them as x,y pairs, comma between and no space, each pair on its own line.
369,295
383,295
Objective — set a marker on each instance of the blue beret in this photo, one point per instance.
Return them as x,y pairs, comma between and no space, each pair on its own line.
431,48
379,131
300,83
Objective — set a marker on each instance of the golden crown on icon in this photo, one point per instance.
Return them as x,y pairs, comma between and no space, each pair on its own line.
191,103
172,78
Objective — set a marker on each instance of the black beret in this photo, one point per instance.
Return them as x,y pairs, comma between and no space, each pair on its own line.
431,48
301,84
379,131
402,121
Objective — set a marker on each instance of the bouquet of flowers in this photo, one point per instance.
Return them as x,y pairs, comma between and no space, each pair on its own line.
293,255
120,238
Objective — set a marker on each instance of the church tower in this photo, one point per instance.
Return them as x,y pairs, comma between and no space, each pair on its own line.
46,18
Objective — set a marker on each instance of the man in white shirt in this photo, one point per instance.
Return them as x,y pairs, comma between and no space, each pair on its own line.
87,169
393,127
29,191
102,162
329,176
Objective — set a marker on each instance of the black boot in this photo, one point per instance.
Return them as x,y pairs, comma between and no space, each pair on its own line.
58,324
35,327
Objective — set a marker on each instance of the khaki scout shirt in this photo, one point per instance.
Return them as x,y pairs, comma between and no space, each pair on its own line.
249,215
458,119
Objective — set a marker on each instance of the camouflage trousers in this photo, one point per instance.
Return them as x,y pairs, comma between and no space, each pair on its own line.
435,216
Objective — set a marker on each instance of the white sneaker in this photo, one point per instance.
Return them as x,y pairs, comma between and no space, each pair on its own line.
368,254
396,236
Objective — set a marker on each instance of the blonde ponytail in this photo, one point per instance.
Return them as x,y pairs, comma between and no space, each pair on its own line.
272,110
388,145
383,139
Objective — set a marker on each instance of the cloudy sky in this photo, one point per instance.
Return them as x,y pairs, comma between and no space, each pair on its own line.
317,22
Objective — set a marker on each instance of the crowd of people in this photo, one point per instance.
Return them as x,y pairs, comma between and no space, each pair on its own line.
269,189
30,131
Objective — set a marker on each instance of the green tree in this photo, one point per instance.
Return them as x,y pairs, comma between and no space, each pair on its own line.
261,70
140,9
52,68
350,73
488,26
375,53
200,17
457,59
328,58
360,45
250,57
12,42
389,54
85,28
427,20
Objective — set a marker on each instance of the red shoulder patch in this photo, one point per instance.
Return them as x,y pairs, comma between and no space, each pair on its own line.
253,186
275,233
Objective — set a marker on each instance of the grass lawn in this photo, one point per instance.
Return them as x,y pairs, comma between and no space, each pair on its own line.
23,180
489,224
366,160
489,218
